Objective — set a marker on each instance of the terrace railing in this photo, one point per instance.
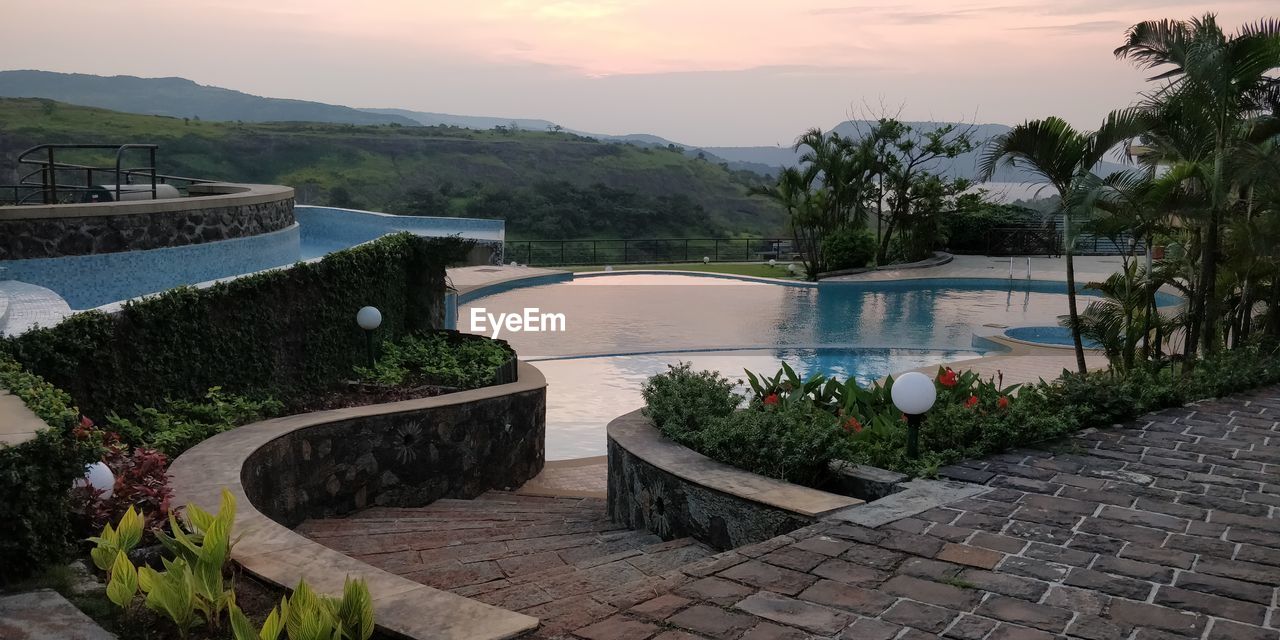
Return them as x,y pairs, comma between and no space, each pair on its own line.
59,182
548,253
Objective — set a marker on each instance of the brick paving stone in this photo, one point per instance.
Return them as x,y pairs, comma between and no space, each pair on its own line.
997,542
771,631
1021,612
850,573
1082,601
874,556
915,545
713,621
970,627
793,558
1165,557
677,635
842,596
1014,632
659,608
1227,587
767,576
1031,568
1155,617
1247,571
617,628
943,595
925,617
1095,628
797,613
1185,600
1227,630
971,556
824,545
715,590
1060,555
871,629
1005,584
1113,585
1134,569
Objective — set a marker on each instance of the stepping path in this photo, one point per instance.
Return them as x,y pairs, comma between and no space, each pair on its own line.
558,559
1162,529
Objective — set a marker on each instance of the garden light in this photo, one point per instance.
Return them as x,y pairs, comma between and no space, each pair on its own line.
706,260
98,476
772,262
369,318
913,394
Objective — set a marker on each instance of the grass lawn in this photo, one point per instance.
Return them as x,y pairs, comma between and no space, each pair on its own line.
757,269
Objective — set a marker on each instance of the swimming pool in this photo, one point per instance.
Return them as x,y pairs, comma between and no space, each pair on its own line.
91,281
1053,336
622,328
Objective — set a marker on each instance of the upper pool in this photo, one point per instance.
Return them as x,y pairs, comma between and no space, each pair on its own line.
621,328
89,281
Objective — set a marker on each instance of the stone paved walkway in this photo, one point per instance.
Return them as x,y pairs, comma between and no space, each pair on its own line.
1157,531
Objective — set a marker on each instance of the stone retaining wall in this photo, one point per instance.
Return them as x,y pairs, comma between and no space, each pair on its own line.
214,212
404,459
660,486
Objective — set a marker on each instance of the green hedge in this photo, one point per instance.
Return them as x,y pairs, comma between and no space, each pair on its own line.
35,477
283,333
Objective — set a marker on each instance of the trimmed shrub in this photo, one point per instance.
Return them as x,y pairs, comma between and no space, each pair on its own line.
36,477
848,249
282,333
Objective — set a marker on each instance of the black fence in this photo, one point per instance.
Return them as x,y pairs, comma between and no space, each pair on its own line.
548,253
54,181
1047,241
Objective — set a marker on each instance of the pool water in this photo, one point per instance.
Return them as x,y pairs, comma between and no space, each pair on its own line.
1057,336
623,328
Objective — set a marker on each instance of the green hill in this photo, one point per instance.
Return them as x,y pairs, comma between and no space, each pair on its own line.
547,185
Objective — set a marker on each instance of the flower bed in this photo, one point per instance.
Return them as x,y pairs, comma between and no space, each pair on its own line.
794,429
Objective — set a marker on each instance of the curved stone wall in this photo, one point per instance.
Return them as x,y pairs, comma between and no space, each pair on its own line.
212,212
406,453
663,487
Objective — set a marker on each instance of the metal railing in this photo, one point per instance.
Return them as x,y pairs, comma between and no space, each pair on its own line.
55,182
1047,240
547,253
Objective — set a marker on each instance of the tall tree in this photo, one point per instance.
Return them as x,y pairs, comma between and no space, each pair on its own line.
1211,85
1064,157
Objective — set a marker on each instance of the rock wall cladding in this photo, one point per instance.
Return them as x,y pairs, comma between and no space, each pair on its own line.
407,459
57,237
643,496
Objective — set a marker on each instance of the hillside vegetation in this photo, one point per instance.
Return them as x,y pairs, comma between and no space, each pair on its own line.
545,184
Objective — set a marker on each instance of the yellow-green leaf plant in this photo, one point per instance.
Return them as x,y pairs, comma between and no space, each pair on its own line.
172,592
307,615
123,583
123,538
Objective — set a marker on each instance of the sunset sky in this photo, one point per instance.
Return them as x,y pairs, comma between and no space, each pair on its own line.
703,72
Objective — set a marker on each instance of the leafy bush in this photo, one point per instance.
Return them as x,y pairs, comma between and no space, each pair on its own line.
848,249
142,483
790,419
179,425
191,589
442,359
967,229
35,477
681,402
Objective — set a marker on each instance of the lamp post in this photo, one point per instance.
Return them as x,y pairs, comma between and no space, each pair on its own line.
369,319
914,394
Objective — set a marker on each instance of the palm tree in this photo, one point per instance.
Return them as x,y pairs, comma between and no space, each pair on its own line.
1213,83
1064,157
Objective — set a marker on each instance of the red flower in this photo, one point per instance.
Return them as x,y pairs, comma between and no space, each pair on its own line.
771,399
852,425
1003,402
971,402
948,378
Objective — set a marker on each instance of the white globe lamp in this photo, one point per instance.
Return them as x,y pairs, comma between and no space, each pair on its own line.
773,262
369,318
914,394
706,259
98,476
